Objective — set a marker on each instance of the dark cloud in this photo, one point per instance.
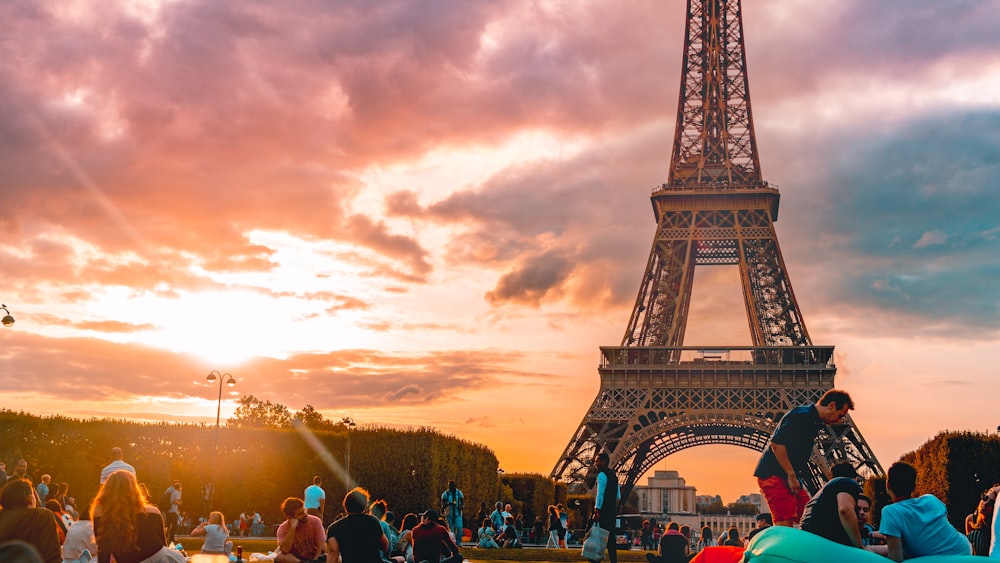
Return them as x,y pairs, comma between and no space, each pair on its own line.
910,224
532,281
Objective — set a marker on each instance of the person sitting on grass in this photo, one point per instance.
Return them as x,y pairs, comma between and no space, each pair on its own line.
508,537
216,535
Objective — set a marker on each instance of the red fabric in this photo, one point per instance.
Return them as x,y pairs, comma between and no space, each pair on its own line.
719,554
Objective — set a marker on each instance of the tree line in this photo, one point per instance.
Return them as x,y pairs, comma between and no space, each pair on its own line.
266,453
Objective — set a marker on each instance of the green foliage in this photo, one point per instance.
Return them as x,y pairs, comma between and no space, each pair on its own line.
254,413
957,467
742,508
533,493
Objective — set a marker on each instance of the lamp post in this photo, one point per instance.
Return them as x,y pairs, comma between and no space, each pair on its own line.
8,319
229,380
350,424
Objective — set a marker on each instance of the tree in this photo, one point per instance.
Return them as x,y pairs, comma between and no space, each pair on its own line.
254,413
314,420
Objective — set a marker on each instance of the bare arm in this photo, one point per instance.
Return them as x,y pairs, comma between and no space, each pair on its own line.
895,548
286,542
781,454
849,518
199,530
333,549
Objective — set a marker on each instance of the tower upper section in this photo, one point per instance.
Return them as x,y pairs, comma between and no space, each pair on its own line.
714,144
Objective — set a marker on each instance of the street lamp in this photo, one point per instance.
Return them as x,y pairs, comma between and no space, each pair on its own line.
349,423
229,380
223,378
8,319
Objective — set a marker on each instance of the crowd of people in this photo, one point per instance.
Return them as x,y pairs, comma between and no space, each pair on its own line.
124,525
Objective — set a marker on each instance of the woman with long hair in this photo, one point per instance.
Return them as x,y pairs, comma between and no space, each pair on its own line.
706,539
405,543
216,534
126,525
733,538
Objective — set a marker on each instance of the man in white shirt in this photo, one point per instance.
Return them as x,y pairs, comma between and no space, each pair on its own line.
117,464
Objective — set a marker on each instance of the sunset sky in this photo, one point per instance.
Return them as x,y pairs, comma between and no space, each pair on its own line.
433,213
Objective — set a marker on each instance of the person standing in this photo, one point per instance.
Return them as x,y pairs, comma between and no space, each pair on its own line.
786,458
563,524
173,515
300,536
452,504
606,502
117,463
357,537
315,498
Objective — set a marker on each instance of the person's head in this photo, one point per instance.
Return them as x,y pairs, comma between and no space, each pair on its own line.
356,501
63,489
602,460
84,513
674,526
177,485
734,533
294,509
506,507
317,480
411,520
833,406
499,506
46,478
430,515
844,469
686,531
764,520
116,453
378,509
552,509
863,508
53,505
389,517
21,468
706,534
17,551
216,517
121,490
486,523
452,486
902,481
3,467
17,493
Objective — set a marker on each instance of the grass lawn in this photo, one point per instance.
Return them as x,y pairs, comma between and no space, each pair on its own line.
263,545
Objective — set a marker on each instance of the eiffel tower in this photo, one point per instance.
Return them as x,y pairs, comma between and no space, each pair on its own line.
658,397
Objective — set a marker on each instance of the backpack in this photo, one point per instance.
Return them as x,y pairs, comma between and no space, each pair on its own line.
165,503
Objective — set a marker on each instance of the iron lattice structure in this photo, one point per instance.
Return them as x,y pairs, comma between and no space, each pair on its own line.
658,397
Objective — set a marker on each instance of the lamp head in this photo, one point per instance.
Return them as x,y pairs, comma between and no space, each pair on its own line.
212,375
231,381
8,319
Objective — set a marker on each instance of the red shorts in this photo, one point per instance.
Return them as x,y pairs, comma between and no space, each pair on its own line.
783,504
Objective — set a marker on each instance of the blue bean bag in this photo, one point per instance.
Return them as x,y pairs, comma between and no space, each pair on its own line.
780,544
